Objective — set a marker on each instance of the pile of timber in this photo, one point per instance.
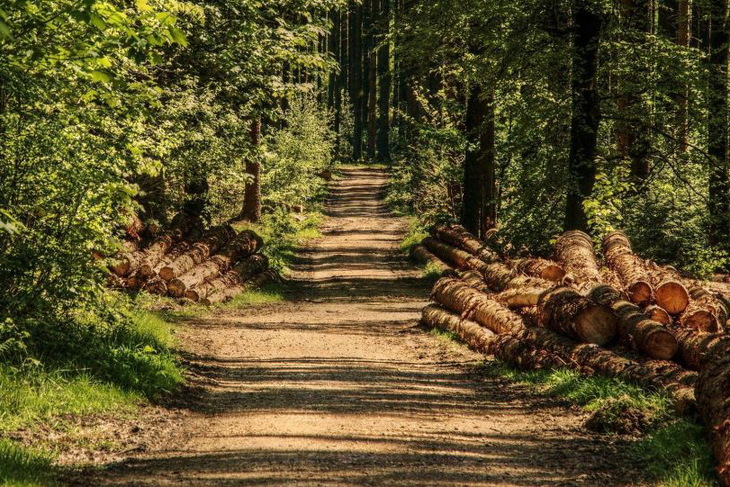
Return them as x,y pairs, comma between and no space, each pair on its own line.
616,315
184,262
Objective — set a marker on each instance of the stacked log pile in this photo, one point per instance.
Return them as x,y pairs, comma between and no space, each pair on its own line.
209,267
618,316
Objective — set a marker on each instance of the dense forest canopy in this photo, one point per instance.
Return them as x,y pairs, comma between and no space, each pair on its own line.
534,116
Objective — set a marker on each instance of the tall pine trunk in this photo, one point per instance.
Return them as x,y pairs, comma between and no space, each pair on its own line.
373,77
633,135
719,186
586,116
384,80
252,197
684,35
479,212
356,71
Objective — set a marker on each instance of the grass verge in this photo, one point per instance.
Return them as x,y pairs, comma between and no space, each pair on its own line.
92,368
673,451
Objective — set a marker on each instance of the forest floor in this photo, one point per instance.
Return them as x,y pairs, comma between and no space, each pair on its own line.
337,385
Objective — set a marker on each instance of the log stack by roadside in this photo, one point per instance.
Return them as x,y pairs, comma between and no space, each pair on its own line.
586,313
208,267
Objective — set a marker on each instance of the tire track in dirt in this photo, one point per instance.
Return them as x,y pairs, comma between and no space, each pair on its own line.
337,386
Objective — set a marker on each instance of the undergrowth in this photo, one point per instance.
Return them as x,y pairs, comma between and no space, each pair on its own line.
79,368
673,450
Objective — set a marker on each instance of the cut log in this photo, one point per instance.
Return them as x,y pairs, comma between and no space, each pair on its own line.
505,347
474,279
457,236
630,269
458,258
564,310
242,246
542,268
156,285
574,252
243,271
200,251
635,328
589,359
227,294
696,348
472,304
714,406
423,256
669,291
658,314
499,278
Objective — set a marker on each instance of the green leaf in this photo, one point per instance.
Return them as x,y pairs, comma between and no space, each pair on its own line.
4,30
101,75
178,36
97,22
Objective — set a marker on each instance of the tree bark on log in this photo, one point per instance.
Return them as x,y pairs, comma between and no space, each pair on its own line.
244,245
574,252
629,268
635,328
542,268
229,293
457,236
200,251
475,280
243,271
472,304
588,358
564,310
504,347
459,258
696,349
423,256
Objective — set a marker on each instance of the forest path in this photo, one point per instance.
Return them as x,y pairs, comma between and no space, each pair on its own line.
337,385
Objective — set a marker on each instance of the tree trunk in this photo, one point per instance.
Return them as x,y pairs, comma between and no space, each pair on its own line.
629,268
479,203
384,82
372,114
632,131
423,256
356,71
719,184
712,398
635,328
457,236
586,113
456,257
252,198
684,35
565,311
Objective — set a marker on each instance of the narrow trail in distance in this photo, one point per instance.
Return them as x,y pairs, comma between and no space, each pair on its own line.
338,386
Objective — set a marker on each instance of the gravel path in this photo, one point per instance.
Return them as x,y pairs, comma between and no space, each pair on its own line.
338,385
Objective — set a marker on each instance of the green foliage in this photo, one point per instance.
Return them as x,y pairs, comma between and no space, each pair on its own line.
677,455
23,467
297,153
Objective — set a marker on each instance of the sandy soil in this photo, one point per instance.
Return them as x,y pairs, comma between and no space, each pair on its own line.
338,386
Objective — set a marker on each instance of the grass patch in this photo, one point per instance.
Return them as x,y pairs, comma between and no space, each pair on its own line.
674,451
271,293
445,335
677,455
432,271
24,467
283,233
416,233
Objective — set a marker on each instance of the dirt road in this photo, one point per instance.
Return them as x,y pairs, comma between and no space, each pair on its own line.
337,385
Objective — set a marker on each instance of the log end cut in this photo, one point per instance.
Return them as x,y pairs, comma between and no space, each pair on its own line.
596,324
176,288
661,345
167,273
701,320
640,293
672,296
658,314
